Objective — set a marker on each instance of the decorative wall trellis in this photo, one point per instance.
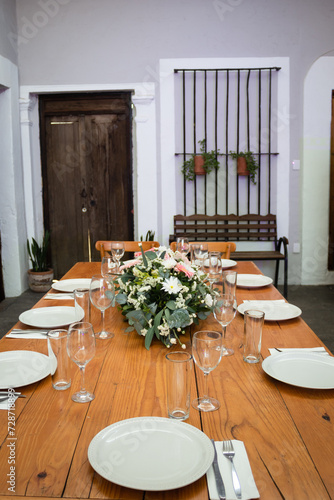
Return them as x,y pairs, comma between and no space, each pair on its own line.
232,109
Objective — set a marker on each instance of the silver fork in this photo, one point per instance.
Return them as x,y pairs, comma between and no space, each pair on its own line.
229,453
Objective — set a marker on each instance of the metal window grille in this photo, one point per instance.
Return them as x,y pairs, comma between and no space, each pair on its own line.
232,110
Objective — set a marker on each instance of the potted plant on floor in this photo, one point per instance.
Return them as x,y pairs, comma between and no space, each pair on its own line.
200,164
246,164
41,275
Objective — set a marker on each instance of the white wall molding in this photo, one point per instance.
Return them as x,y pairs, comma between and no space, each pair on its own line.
144,150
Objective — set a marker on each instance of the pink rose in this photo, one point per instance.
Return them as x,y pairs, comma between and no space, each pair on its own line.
130,263
181,268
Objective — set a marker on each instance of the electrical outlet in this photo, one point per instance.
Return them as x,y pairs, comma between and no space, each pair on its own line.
296,248
295,164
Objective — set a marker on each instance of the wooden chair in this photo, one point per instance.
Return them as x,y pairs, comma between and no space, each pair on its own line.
225,247
104,247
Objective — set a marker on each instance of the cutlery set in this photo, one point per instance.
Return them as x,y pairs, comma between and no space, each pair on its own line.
229,453
4,395
19,331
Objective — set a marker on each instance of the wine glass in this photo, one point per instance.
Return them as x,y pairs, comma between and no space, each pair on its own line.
102,294
81,349
182,245
201,253
109,271
224,311
230,282
117,251
207,353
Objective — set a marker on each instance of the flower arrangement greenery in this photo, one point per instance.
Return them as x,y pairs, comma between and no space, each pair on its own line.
210,162
38,253
161,293
252,166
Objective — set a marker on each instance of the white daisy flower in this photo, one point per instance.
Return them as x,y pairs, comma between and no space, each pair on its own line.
172,285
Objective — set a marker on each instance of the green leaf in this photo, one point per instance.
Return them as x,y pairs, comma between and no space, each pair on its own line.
129,329
171,305
121,298
179,319
149,337
157,320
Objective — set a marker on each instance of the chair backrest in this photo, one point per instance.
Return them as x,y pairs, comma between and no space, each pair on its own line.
104,247
225,247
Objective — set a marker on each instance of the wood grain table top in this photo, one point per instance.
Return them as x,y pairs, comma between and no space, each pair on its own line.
287,431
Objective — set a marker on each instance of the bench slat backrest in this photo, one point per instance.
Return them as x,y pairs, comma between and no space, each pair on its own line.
225,227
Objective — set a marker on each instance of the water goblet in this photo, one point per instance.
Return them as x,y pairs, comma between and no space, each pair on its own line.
117,251
81,350
207,353
224,311
182,245
230,282
102,295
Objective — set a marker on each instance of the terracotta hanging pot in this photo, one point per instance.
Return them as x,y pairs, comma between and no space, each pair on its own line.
242,166
40,281
198,165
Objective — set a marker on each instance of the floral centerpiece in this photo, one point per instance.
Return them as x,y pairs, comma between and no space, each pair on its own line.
161,293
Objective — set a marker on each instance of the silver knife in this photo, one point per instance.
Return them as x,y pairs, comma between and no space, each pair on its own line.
218,477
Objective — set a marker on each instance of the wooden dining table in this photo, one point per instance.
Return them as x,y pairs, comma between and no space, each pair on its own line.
287,431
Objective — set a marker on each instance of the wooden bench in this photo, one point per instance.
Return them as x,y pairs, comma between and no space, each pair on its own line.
250,227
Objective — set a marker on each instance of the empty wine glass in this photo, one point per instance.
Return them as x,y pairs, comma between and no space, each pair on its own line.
207,353
230,282
182,245
117,251
109,271
102,294
224,311
81,349
201,253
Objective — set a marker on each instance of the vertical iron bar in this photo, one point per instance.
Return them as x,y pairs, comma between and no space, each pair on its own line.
216,142
248,140
226,137
238,125
269,145
194,126
184,140
259,145
205,137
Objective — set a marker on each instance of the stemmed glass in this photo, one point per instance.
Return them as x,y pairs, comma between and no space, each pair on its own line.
207,353
182,245
102,294
109,271
81,349
224,311
201,253
117,251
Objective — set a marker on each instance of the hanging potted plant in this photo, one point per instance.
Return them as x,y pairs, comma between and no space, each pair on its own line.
200,164
41,275
246,164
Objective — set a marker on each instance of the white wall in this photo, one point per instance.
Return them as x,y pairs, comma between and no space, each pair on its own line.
12,214
319,85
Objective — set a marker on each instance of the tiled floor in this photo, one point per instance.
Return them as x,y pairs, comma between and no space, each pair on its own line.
316,302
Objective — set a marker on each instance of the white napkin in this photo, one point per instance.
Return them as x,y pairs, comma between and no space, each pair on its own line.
34,335
241,462
4,404
59,296
319,350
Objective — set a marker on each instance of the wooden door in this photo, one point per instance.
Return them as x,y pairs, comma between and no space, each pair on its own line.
87,174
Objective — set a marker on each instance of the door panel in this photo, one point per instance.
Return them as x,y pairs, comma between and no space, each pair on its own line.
87,178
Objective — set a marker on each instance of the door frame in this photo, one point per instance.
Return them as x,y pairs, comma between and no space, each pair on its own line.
144,153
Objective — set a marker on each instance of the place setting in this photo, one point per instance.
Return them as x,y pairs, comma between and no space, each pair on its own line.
275,310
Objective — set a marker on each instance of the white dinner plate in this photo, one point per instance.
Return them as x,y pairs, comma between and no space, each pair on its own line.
50,317
253,280
20,368
272,311
308,370
228,263
71,285
151,453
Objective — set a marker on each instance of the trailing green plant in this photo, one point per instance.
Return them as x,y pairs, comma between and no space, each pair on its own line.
210,162
149,236
252,166
38,253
